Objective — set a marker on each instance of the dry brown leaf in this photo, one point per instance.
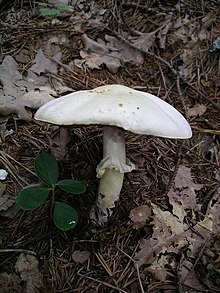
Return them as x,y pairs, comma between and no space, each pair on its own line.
19,92
23,56
211,221
184,179
167,237
27,267
84,19
11,79
58,143
139,216
157,268
170,232
145,41
4,132
197,32
189,277
162,33
42,64
190,32
197,110
124,52
81,256
109,52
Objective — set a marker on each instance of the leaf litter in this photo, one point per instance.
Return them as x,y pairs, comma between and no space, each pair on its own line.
184,222
27,267
19,92
111,52
172,233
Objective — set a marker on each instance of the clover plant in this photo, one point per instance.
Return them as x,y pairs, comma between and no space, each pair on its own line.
65,217
52,10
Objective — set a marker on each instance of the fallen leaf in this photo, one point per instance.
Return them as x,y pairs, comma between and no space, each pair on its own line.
162,34
58,143
189,277
42,64
4,132
166,237
11,211
109,52
212,217
23,56
27,267
139,216
144,41
11,79
125,52
170,230
157,268
81,256
84,19
20,93
197,110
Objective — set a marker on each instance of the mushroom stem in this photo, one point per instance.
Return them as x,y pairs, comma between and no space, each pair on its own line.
111,171
114,155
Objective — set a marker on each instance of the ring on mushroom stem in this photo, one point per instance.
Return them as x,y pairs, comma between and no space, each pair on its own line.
118,108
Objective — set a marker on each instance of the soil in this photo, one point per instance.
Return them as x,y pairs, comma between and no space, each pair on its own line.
179,63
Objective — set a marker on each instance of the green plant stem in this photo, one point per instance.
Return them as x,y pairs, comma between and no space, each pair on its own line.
53,198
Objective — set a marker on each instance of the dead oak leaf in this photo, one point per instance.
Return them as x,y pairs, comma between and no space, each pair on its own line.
110,52
13,97
167,237
184,179
11,79
157,268
27,267
19,93
211,222
144,41
183,195
42,64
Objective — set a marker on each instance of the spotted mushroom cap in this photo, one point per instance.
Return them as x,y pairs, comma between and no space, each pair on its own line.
117,105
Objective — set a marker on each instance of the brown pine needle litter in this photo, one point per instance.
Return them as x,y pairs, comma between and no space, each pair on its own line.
167,48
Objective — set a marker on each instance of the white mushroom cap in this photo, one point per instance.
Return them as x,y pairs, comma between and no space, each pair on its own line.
117,105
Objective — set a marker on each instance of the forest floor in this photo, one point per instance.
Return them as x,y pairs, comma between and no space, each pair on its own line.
163,235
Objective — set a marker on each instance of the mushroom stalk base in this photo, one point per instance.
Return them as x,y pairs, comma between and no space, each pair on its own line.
111,171
109,189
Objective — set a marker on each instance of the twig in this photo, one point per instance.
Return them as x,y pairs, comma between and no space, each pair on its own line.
139,279
17,250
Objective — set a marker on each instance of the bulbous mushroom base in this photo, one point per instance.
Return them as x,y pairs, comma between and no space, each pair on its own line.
111,171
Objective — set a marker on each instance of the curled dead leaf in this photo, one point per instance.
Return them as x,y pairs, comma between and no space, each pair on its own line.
27,267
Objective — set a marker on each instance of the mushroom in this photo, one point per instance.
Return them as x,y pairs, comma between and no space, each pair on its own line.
118,108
